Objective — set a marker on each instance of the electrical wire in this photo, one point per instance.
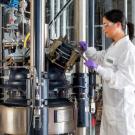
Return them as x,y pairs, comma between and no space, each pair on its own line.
26,39
60,12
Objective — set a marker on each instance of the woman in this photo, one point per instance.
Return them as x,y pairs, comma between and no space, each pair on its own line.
116,65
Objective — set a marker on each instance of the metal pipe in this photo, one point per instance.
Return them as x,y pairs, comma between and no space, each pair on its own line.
52,28
91,22
80,83
80,20
39,36
126,12
32,35
58,19
80,23
40,113
80,78
64,21
0,35
132,13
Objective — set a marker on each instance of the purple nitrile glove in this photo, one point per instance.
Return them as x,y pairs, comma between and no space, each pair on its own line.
83,45
91,64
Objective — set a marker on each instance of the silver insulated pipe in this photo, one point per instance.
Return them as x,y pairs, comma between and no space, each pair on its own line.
39,36
80,77
32,35
80,15
39,87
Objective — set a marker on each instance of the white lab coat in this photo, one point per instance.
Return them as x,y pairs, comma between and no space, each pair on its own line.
117,68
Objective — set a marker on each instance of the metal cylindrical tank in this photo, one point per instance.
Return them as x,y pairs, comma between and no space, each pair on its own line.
13,120
61,117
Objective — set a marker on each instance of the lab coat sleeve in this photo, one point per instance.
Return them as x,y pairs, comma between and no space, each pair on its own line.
124,76
97,56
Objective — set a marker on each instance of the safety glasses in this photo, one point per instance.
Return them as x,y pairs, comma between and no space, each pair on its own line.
107,25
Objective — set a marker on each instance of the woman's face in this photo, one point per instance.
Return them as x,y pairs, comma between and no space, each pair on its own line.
110,29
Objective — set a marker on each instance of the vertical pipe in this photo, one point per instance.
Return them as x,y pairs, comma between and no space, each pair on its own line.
1,54
80,9
126,12
80,19
0,36
45,88
80,78
58,19
132,13
91,43
32,35
40,116
64,20
52,28
91,22
32,63
80,89
39,36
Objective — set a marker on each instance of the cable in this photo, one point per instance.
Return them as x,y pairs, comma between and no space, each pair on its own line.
60,12
26,39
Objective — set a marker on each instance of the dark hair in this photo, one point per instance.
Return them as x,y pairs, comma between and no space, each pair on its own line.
117,15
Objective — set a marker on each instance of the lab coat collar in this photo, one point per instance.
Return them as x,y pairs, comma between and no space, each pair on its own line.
121,40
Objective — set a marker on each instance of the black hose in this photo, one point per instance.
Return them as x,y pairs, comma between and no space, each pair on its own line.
59,13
